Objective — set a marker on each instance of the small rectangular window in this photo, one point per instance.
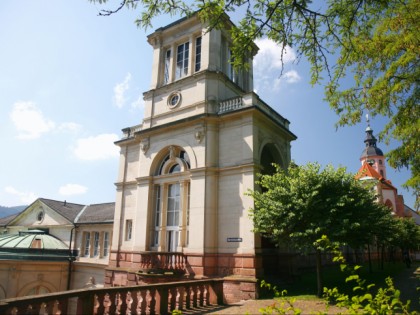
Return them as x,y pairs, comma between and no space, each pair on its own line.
86,250
182,57
198,54
157,217
95,244
106,244
232,73
128,229
167,64
188,212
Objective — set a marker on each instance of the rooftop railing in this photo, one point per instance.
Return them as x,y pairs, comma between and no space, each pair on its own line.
248,100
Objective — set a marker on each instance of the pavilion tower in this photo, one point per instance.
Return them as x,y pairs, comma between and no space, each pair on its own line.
181,208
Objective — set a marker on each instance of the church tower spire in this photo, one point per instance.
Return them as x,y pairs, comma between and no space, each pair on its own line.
371,153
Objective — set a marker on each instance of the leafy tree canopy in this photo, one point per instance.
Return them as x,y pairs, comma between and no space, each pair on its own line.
373,44
303,203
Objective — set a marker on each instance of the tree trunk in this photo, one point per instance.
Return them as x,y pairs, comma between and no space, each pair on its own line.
370,259
318,273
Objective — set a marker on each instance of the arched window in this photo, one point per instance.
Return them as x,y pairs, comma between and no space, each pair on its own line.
38,290
169,229
388,203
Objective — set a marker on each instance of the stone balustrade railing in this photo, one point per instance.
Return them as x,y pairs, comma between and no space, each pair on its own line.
251,99
160,298
165,261
230,105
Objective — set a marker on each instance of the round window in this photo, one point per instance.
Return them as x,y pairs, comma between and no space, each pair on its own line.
40,215
174,99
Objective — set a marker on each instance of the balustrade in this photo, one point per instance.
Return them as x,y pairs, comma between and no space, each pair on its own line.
160,298
230,105
163,261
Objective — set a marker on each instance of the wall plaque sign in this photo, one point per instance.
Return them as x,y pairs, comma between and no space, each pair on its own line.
234,239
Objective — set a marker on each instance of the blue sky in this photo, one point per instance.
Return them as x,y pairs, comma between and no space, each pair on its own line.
71,80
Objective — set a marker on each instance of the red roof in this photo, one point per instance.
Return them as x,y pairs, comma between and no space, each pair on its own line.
368,171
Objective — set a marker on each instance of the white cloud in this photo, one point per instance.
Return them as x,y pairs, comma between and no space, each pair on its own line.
72,189
120,89
70,126
292,76
29,120
269,54
100,147
24,197
268,66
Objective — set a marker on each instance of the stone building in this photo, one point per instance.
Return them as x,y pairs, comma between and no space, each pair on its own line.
181,205
54,246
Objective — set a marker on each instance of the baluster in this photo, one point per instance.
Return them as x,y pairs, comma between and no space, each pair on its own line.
158,262
140,299
128,302
170,295
178,299
199,296
193,294
205,292
172,261
185,297
118,303
150,259
188,299
175,261
43,309
56,308
168,261
107,303
96,304
149,302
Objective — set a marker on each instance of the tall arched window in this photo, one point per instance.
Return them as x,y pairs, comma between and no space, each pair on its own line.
171,201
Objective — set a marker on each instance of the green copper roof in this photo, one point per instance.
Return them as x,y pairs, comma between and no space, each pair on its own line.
31,240
34,245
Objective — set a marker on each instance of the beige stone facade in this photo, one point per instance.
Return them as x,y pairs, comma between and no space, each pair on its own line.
185,170
54,246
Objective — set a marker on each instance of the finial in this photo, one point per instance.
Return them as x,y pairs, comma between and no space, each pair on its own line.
368,122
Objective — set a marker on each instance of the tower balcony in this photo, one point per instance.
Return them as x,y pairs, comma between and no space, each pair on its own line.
162,264
251,100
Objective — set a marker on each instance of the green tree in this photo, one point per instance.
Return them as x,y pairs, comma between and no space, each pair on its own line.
373,43
303,203
408,235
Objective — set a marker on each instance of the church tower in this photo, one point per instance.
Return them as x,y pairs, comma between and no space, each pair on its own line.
181,207
374,168
372,154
